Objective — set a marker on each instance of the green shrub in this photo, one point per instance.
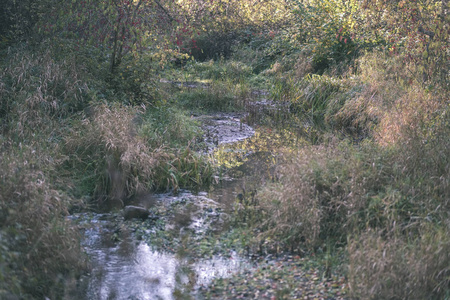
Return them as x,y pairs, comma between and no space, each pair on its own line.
135,80
324,28
118,153
214,45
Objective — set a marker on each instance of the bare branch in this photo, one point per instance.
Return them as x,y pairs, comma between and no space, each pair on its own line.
164,10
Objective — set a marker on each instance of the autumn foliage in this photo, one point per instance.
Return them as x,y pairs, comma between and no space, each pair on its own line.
85,115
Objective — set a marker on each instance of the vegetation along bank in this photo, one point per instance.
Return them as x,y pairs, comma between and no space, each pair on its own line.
102,101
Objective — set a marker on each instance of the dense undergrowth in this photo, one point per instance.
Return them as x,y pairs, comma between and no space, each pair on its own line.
368,185
63,149
374,182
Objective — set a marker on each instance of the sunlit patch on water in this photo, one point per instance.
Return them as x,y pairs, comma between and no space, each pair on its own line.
125,268
148,274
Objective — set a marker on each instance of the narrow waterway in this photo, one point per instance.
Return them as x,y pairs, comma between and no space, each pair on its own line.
124,263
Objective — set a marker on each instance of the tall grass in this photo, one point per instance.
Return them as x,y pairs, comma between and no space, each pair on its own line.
36,90
385,197
39,247
392,266
109,155
63,142
118,155
325,192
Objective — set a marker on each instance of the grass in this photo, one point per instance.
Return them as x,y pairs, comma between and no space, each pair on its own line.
64,148
368,195
381,193
391,266
40,249
216,99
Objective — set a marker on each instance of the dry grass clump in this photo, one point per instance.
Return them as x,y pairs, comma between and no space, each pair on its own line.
116,162
384,99
39,248
379,83
394,267
36,89
414,113
324,192
303,64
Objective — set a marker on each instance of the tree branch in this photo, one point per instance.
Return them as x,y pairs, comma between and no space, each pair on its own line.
164,10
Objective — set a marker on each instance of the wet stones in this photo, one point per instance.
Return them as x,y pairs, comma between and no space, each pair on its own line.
224,128
135,212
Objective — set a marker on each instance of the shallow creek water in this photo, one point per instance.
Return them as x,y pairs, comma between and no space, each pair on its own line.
124,266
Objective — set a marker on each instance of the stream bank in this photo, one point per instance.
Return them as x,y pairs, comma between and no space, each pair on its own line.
172,252
187,246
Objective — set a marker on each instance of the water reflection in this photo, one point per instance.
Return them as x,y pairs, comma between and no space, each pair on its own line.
123,268
144,274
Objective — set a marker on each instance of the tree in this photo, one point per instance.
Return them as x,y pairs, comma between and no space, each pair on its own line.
116,27
417,30
17,18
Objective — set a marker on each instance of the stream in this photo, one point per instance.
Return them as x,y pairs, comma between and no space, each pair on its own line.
124,263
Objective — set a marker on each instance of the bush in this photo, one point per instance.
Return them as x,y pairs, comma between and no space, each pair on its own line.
324,28
214,45
36,89
118,154
39,248
135,81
